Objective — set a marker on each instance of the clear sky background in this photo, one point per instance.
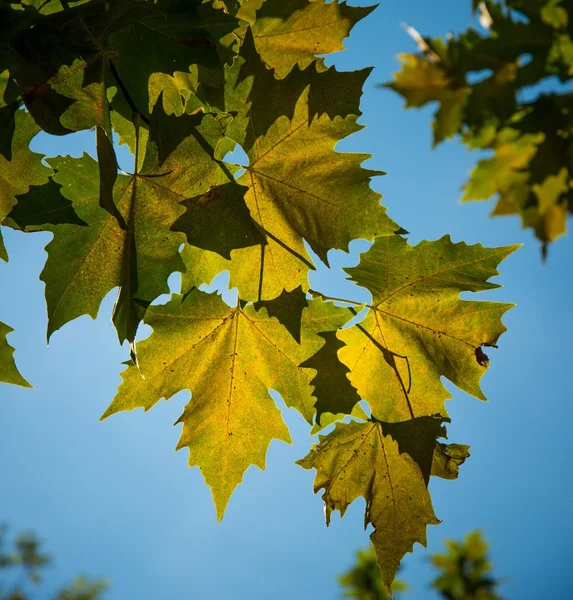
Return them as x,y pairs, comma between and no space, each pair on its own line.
114,500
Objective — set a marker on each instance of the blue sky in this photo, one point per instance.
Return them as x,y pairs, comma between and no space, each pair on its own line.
114,500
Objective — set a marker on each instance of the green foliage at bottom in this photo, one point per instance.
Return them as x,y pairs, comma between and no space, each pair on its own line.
21,567
363,581
464,573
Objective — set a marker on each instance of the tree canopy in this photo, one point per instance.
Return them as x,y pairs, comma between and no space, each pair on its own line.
182,83
496,90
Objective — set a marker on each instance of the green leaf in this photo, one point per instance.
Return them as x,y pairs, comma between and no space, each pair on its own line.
418,329
359,460
555,15
229,358
421,81
310,134
465,568
531,139
24,168
292,33
140,259
8,371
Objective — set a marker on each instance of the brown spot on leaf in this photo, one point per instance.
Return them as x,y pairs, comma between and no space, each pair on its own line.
481,357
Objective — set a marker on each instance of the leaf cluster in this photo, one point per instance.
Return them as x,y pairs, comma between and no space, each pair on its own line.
182,84
482,83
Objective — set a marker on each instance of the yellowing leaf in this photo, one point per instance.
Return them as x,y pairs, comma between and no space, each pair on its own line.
8,371
285,195
359,460
300,188
229,358
261,272
418,329
290,33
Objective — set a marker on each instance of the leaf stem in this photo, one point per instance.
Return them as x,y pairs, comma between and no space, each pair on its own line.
125,93
353,302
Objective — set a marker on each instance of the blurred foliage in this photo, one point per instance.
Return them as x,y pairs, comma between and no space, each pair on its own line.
364,582
464,573
21,568
483,83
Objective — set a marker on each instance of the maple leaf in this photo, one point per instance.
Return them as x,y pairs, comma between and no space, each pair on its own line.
529,175
24,168
229,358
8,371
285,195
299,187
418,329
504,173
293,32
175,36
293,173
140,259
361,460
69,61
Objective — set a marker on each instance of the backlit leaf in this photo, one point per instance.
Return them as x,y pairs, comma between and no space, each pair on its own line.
8,371
229,358
359,460
290,33
418,329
